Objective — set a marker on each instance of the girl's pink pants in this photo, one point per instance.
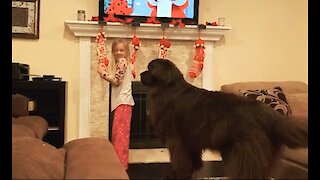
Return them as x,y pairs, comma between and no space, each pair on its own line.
121,132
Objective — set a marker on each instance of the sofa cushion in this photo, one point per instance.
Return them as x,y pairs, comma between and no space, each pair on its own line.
299,156
273,97
93,158
21,130
38,124
35,159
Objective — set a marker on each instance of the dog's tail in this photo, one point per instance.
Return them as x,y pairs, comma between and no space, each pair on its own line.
253,154
292,132
250,157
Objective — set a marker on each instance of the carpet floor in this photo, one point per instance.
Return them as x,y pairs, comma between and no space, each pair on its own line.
210,170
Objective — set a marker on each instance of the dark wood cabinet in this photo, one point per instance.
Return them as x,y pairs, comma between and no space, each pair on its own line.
48,101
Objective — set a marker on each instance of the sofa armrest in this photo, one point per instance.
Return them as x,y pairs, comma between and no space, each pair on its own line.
299,104
22,130
299,156
19,105
288,87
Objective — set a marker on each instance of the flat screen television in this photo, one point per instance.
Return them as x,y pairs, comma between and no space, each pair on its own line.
154,11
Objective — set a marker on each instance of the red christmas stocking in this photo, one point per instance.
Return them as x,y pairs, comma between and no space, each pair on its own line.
198,59
101,48
136,45
164,46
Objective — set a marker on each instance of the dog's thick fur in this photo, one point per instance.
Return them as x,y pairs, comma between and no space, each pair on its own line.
247,133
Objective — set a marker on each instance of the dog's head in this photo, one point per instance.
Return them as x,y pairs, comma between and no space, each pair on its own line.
161,73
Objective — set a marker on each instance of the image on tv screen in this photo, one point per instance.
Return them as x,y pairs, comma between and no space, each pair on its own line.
147,8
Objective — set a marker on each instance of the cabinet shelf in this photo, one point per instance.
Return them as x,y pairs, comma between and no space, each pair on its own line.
53,128
47,110
48,101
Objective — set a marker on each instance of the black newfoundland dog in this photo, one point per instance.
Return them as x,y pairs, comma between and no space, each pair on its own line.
247,133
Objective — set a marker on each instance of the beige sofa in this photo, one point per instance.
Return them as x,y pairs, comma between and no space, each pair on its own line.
294,163
86,158
32,158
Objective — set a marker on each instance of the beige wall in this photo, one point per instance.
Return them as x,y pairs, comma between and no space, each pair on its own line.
268,41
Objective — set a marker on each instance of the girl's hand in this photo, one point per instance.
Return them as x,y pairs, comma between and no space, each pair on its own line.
133,70
121,70
101,69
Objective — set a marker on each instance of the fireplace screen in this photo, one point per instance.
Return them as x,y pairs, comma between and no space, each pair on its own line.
141,133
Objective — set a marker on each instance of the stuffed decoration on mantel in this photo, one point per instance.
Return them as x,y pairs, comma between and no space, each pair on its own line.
118,7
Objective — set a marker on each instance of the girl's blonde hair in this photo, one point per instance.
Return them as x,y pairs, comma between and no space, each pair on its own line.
113,47
126,46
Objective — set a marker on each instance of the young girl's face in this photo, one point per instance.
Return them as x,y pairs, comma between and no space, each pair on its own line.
119,51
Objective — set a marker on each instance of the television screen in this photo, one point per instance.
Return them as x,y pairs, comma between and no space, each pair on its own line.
163,10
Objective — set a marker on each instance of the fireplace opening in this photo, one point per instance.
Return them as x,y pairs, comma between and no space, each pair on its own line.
142,134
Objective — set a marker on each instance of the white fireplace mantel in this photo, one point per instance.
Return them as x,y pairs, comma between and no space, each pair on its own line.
86,30
146,31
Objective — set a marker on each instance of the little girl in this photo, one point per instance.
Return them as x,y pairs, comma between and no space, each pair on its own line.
121,97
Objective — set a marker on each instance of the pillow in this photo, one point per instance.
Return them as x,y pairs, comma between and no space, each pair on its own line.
274,98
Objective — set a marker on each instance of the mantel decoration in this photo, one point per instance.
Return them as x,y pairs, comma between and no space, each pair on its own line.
25,18
164,45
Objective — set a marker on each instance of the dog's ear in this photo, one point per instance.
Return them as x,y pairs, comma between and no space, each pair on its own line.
146,78
164,72
173,74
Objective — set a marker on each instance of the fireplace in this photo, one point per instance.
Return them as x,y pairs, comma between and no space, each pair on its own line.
94,93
